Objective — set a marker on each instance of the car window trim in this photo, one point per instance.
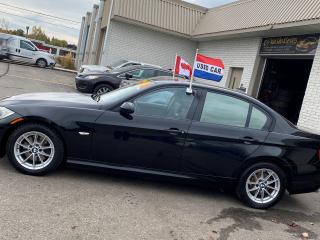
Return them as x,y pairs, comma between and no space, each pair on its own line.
269,123
197,115
142,68
190,113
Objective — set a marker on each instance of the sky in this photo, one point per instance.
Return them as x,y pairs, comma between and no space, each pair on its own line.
69,9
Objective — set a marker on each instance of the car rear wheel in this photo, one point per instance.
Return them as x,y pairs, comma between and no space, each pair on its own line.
102,89
35,149
261,186
42,63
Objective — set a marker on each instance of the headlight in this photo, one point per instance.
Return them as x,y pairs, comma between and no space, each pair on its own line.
52,57
5,112
91,77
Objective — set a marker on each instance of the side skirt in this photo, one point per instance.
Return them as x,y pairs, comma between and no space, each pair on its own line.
82,164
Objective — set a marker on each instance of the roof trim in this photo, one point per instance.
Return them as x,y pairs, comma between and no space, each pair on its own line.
269,27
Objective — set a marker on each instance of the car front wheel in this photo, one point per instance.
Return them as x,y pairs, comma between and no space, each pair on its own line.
261,186
35,149
102,89
42,63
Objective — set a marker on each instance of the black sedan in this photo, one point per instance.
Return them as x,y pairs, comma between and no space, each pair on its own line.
156,128
102,82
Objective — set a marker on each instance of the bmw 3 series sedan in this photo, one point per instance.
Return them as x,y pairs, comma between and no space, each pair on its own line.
156,128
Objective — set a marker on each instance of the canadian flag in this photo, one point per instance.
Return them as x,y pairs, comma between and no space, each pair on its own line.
182,67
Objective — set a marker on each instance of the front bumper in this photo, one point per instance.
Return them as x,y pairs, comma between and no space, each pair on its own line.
2,142
84,85
305,184
5,129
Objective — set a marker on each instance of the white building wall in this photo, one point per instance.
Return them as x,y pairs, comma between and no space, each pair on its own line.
240,53
126,41
310,112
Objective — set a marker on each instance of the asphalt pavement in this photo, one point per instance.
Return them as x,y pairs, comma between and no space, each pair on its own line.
73,204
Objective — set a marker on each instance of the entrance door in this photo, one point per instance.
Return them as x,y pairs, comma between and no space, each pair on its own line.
235,80
284,85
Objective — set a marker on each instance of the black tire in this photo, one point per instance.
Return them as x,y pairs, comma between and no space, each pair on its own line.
102,86
241,189
42,63
58,155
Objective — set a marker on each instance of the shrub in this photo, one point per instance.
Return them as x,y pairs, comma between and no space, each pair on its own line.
67,61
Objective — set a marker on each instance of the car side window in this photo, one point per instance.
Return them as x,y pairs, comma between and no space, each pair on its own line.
258,119
136,73
25,45
171,103
164,74
148,73
225,110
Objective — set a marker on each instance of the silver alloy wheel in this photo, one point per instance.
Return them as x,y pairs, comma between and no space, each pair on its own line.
34,150
42,63
103,90
263,186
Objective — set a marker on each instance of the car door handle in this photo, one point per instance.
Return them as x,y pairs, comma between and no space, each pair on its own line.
175,131
248,140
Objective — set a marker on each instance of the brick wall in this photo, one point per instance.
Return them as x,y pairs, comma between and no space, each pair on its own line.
310,112
126,41
242,53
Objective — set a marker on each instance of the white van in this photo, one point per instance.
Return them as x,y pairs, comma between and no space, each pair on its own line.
23,50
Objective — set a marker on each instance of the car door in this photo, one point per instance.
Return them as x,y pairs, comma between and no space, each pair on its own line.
225,131
153,137
26,51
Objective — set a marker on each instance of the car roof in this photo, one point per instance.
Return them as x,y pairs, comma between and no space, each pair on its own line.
130,68
186,83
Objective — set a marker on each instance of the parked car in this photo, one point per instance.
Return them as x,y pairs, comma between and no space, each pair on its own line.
85,69
3,48
156,128
125,83
23,50
99,83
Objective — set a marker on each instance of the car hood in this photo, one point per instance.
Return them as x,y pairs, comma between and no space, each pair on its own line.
52,99
95,68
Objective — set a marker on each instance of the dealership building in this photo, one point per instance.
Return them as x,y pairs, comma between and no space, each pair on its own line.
269,47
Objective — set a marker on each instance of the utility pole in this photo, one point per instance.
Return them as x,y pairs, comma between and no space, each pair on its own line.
27,27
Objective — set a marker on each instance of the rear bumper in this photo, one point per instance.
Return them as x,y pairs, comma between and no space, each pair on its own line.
305,184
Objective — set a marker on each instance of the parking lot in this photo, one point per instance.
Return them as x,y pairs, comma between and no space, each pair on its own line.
72,204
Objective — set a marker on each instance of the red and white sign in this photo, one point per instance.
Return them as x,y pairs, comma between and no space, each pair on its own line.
182,67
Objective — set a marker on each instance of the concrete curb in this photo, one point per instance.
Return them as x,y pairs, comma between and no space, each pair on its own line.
64,70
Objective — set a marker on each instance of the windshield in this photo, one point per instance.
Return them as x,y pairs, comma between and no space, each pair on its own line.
122,93
32,44
117,63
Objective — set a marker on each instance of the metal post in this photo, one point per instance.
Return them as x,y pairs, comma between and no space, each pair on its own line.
79,42
84,38
189,89
174,67
92,27
96,38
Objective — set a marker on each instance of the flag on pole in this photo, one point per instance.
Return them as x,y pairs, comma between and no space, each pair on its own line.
182,67
208,68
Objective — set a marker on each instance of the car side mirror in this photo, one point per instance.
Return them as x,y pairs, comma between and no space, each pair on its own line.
127,108
128,76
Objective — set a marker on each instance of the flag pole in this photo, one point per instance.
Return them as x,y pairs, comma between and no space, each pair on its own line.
189,89
174,68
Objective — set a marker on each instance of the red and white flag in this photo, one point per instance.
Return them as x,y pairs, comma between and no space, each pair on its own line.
182,67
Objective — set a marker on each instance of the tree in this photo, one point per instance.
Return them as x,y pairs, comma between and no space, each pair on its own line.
57,42
4,24
19,32
38,34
